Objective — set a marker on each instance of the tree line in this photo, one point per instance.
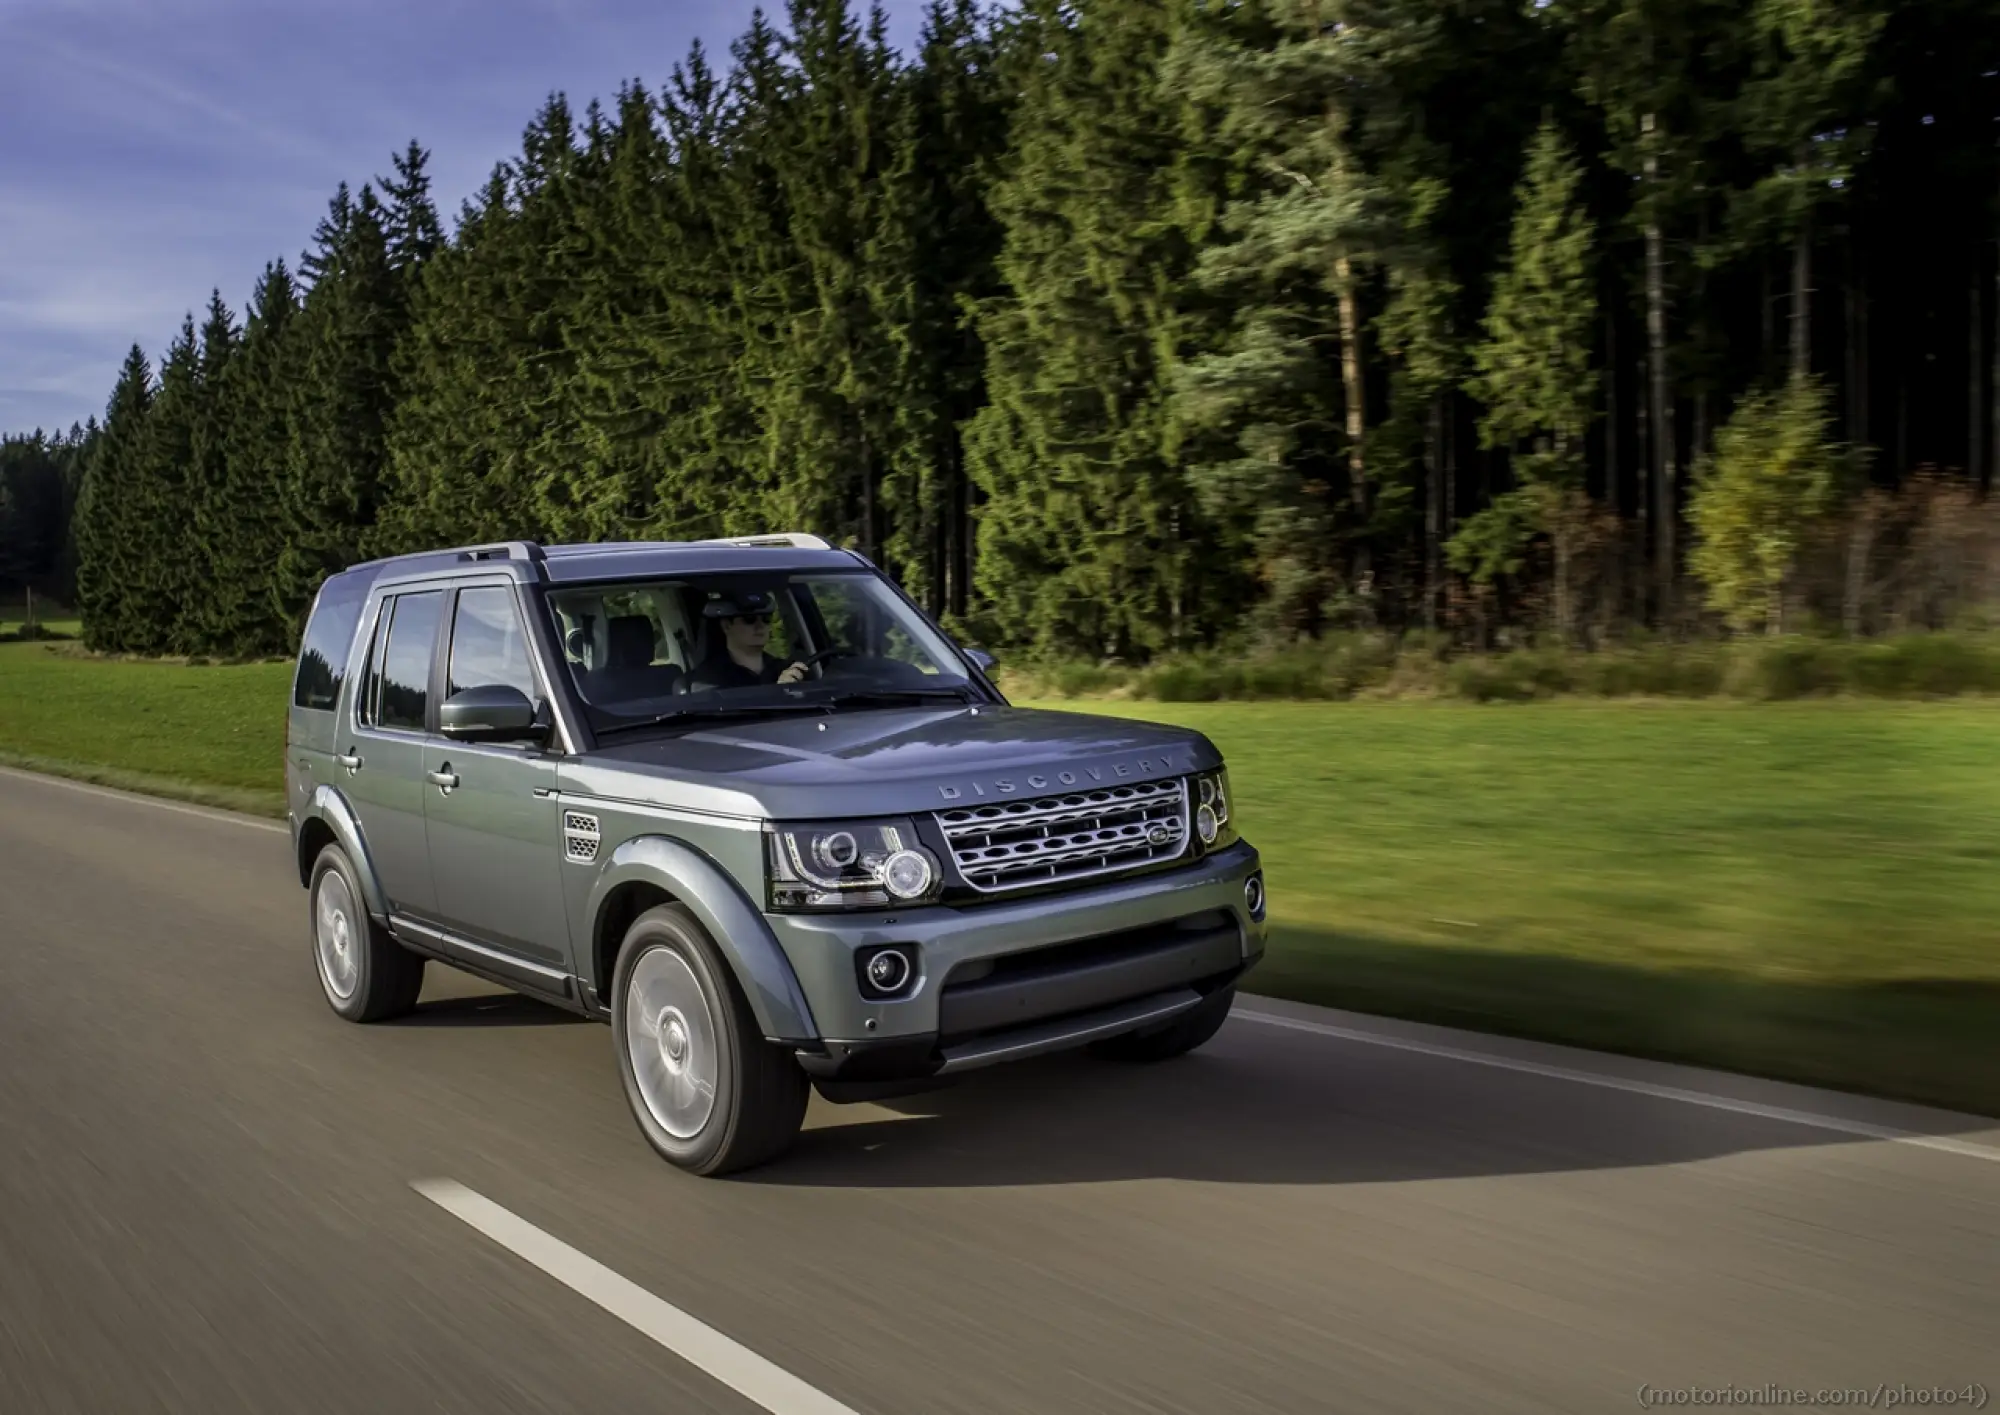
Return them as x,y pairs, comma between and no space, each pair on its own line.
1113,327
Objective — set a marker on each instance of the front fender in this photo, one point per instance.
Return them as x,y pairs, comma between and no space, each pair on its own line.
330,807
739,930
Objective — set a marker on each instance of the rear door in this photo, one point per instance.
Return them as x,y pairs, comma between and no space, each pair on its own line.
379,761
494,821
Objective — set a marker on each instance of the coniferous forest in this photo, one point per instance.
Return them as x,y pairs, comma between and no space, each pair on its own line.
1114,327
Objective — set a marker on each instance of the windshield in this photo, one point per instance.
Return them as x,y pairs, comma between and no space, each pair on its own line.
646,650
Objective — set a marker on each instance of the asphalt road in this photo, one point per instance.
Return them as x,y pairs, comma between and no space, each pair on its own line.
208,1201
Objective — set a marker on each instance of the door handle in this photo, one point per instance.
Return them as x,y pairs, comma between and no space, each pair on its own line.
445,778
351,761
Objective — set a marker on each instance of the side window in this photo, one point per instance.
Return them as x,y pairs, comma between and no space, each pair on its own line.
398,690
488,644
322,666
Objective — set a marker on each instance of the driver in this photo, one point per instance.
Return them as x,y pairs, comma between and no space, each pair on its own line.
740,660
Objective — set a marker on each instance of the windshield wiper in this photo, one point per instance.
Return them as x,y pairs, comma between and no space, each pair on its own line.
709,714
894,697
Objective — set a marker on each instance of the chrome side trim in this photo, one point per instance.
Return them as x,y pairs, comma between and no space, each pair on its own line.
1068,1032
478,955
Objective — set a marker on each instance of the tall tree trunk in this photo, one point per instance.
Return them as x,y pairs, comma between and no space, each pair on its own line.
1856,396
1802,289
1350,377
1975,377
1662,420
1767,327
1643,477
1613,484
1433,506
1700,443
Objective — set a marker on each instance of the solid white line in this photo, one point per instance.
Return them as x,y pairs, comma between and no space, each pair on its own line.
1860,1128
137,798
736,1366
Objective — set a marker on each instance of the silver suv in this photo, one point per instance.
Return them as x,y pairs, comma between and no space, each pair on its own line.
747,803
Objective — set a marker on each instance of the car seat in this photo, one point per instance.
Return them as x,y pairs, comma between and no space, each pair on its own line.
629,671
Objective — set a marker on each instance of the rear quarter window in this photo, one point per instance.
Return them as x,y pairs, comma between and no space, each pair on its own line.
323,651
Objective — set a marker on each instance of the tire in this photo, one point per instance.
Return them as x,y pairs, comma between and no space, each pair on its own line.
366,975
710,1095
1190,1030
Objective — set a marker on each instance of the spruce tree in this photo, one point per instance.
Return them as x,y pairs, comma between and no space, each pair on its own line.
1532,372
210,537
1086,532
344,391
241,520
106,539
158,576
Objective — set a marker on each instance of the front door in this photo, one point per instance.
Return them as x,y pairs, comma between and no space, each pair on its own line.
495,823
379,762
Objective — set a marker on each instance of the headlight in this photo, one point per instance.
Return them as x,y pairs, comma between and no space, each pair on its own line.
1214,818
851,865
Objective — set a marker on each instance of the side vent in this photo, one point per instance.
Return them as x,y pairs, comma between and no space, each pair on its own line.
580,837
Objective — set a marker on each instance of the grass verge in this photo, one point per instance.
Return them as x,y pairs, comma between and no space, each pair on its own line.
1805,890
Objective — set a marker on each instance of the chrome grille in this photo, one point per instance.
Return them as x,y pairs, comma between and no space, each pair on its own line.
1009,845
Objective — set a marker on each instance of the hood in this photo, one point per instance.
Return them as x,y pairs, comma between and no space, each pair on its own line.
887,761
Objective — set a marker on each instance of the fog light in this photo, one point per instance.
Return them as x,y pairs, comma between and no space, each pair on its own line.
908,874
887,971
1253,896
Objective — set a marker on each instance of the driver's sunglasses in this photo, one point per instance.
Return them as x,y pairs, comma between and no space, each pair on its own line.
770,618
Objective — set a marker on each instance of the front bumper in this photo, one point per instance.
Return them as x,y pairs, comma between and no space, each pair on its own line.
1001,981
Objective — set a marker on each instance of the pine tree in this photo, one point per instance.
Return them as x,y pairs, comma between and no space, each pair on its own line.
1086,535
241,520
210,537
344,391
1533,370
105,532
158,578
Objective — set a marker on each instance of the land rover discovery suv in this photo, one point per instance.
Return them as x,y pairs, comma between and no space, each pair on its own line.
747,803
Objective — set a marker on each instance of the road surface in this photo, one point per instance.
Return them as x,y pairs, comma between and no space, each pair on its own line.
215,1196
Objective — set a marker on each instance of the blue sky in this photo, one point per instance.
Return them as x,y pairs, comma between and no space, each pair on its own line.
151,150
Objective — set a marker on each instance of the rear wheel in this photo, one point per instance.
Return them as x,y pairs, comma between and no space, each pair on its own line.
710,1095
1185,1033
366,975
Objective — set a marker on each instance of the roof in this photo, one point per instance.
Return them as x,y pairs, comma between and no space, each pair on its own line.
611,560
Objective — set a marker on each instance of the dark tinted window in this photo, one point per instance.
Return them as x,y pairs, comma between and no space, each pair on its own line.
406,661
323,652
488,645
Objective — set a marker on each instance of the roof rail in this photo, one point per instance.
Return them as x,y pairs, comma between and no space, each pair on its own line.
801,540
501,550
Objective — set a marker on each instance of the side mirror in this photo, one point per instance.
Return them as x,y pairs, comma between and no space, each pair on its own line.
492,712
982,660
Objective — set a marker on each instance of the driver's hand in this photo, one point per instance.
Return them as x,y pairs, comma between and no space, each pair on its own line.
793,674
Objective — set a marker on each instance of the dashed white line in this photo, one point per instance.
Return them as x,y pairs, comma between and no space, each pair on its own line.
729,1362
1860,1128
224,817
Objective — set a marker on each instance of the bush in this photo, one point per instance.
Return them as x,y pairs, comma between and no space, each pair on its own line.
1760,669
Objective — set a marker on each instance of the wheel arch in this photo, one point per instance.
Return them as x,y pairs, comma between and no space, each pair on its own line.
649,870
328,819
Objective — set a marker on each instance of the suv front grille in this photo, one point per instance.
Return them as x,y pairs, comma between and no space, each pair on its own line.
1011,845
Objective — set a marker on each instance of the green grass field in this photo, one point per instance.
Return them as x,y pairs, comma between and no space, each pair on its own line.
1805,891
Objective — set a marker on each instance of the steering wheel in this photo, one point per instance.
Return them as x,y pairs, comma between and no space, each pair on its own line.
813,660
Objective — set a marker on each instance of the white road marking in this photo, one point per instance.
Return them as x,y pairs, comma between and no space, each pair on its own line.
736,1366
225,817
1860,1128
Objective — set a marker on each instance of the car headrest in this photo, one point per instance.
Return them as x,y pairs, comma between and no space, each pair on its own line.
631,642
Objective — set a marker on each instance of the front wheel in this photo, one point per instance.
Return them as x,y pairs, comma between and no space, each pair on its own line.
1193,1028
710,1095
